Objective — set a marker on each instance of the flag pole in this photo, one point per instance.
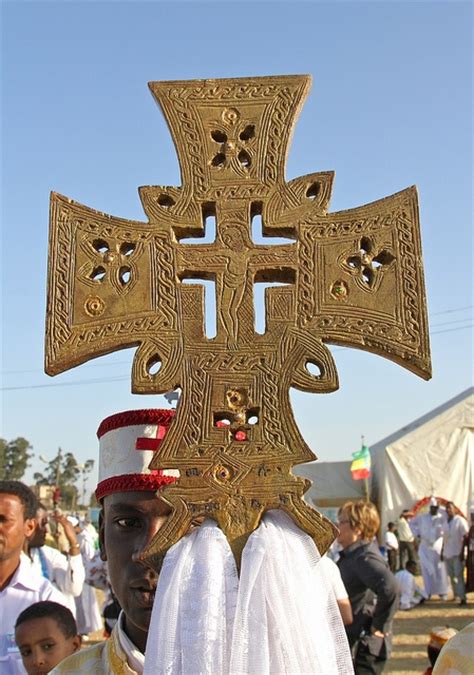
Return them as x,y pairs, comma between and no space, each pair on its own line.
366,480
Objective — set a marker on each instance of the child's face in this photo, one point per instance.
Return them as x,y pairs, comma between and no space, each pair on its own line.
43,645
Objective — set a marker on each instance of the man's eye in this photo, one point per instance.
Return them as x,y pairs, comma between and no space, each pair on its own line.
48,646
25,652
128,522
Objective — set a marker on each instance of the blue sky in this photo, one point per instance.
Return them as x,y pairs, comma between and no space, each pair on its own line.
390,107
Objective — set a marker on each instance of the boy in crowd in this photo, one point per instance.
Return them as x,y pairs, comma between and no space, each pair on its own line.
45,633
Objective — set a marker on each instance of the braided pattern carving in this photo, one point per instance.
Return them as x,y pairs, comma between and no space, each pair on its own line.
305,278
62,271
273,431
195,152
337,324
163,269
198,390
123,232
223,362
226,93
239,192
410,285
275,122
127,331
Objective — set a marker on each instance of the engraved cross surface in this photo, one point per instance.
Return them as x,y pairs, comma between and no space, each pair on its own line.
352,278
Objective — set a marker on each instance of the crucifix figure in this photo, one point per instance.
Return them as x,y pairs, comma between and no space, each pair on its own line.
350,278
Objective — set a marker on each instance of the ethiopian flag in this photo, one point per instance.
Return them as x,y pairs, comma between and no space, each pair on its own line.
360,467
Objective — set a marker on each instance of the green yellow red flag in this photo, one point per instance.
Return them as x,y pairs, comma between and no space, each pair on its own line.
360,467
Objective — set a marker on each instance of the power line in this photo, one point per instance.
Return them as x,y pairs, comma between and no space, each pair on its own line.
452,330
122,378
450,311
450,323
67,384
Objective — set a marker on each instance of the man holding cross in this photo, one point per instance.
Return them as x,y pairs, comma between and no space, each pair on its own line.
132,513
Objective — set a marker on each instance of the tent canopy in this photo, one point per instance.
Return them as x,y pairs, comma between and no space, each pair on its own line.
432,455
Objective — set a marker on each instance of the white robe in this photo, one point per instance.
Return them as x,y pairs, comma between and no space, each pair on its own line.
89,618
410,593
430,529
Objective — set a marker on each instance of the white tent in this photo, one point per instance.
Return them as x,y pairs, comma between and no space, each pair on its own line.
432,455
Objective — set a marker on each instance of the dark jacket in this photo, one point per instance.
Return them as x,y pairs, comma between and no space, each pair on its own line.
371,588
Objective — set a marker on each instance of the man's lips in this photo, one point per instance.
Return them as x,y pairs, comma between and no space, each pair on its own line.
143,585
144,592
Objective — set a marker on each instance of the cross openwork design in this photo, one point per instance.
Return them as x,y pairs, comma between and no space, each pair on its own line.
351,278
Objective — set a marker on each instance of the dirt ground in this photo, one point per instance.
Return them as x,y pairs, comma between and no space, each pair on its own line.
412,629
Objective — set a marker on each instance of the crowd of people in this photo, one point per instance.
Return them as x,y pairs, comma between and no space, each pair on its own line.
437,542
49,604
37,568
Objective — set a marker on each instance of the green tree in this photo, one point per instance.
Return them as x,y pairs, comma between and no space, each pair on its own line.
14,456
85,469
63,471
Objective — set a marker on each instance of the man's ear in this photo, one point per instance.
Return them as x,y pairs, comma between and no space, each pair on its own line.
103,554
30,526
76,642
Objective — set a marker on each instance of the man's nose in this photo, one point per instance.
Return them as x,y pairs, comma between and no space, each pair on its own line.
149,534
39,658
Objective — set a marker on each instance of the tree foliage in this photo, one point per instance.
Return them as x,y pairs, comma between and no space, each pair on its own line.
14,456
64,471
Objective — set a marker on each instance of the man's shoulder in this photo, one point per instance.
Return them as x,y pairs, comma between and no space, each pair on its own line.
88,660
53,555
461,522
50,550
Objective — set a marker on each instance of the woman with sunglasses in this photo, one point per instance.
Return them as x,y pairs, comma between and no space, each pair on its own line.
370,584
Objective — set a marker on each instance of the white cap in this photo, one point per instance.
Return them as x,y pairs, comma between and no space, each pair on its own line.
433,501
127,443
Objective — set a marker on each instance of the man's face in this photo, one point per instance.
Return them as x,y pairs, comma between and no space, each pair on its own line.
39,535
130,521
14,527
450,510
433,510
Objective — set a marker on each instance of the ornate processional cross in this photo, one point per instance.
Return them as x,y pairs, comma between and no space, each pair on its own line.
352,278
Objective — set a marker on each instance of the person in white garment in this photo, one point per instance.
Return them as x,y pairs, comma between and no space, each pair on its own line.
429,529
65,572
331,572
452,552
20,585
406,539
88,617
391,546
411,594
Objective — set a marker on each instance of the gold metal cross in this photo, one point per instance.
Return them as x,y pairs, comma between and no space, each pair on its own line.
351,278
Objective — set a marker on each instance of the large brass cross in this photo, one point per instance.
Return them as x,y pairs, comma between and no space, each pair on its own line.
352,278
